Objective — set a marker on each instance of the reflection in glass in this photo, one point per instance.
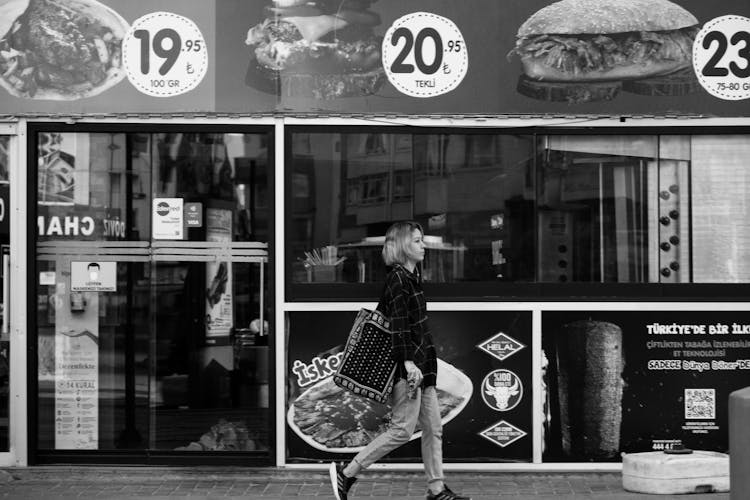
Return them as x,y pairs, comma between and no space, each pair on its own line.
521,208
82,186
210,371
474,196
593,204
472,193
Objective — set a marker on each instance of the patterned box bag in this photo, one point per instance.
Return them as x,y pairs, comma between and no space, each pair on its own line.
367,368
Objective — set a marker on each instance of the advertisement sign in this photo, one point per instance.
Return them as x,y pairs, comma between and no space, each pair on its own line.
164,54
539,56
167,219
420,57
194,214
485,402
83,56
624,382
219,301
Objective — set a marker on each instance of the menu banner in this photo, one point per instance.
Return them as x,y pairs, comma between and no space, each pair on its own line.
485,399
611,57
621,381
68,56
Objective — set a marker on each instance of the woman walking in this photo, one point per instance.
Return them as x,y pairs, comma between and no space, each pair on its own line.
414,395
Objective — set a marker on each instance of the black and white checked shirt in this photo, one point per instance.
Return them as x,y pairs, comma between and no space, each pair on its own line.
404,303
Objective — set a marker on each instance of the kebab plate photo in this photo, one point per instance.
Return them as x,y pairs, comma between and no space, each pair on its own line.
322,49
335,420
59,49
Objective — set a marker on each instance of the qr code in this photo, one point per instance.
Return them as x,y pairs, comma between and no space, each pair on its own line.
700,403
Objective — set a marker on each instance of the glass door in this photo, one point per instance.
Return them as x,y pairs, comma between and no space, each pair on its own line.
152,313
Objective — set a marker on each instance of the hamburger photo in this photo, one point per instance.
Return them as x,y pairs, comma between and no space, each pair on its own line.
322,49
604,41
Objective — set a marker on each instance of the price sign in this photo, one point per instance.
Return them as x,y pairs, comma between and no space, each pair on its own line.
721,57
424,55
164,54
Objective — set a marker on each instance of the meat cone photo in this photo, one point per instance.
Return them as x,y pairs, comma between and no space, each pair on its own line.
590,363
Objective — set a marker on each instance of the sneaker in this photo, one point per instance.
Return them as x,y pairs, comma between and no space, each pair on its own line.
339,482
446,494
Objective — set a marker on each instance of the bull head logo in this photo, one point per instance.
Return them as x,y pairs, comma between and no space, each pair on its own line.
502,394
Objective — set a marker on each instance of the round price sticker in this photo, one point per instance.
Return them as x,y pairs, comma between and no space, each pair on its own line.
721,57
164,54
424,55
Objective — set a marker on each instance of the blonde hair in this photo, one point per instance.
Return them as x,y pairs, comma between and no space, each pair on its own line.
397,238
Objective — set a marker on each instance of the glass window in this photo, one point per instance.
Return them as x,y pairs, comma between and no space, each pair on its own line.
520,208
165,347
599,206
721,208
473,195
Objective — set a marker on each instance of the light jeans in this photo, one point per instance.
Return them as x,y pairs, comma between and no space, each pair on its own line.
405,415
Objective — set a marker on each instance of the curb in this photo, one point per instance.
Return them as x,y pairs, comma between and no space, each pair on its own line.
95,474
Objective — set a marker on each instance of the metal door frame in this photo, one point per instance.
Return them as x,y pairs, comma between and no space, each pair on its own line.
16,314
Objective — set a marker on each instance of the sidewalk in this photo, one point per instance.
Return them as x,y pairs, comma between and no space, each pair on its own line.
269,483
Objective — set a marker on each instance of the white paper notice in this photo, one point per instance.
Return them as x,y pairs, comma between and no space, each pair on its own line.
167,219
76,390
93,276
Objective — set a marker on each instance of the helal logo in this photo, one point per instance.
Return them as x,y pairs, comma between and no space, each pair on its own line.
501,346
162,208
502,390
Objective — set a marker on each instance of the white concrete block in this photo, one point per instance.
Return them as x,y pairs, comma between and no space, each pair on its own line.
661,473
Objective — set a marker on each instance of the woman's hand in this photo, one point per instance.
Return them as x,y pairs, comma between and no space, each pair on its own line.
413,374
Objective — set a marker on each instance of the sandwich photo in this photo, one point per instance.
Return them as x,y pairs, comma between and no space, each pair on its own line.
322,49
335,420
59,49
606,40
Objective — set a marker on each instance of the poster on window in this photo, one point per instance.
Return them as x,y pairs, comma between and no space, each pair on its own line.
219,310
483,388
76,367
620,381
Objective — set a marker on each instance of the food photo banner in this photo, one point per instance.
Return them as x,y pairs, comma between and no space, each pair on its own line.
483,386
107,56
620,381
618,57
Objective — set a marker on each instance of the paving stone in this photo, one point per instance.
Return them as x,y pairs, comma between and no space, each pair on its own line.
263,484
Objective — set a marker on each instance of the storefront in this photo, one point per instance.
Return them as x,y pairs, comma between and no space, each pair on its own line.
191,230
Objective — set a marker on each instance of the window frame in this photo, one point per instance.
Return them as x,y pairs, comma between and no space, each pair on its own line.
145,455
487,291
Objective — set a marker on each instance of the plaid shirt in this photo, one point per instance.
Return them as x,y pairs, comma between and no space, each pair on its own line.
404,303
